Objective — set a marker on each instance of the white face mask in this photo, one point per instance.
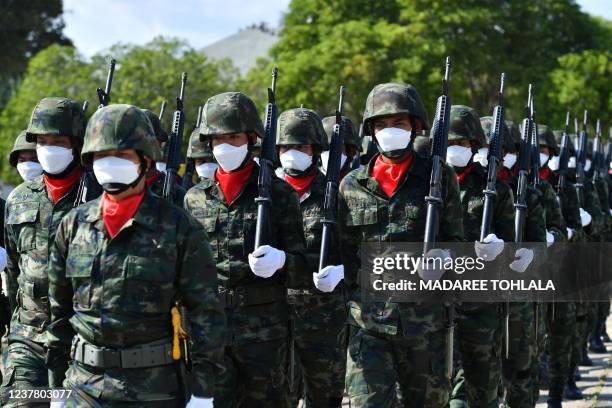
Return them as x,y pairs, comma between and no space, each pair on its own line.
54,159
325,160
114,170
230,157
509,160
206,170
571,163
481,156
295,160
587,165
458,156
160,166
553,163
543,159
29,170
390,139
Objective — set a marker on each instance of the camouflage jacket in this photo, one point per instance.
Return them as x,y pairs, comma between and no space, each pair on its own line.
570,207
366,214
603,192
555,223
30,226
157,187
117,293
593,206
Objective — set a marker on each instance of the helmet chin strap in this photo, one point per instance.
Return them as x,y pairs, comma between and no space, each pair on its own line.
118,188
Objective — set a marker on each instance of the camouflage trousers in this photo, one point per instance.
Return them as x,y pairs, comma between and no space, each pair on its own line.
540,341
390,371
580,332
602,309
477,355
561,326
516,369
24,369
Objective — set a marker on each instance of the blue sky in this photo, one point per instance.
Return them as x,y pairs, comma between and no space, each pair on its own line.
95,25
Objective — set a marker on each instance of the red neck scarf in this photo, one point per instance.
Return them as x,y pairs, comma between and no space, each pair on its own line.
59,187
545,173
151,180
232,182
515,171
504,174
389,175
116,213
465,172
301,184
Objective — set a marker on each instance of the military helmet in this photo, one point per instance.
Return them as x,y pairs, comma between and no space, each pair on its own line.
546,138
120,127
230,112
21,144
465,124
391,98
299,126
160,134
515,135
570,143
58,117
198,149
351,137
487,125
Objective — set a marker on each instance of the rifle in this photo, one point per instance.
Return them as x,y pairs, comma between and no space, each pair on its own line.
563,159
162,109
597,153
332,180
266,167
174,143
439,132
190,163
535,148
581,153
85,106
520,204
89,188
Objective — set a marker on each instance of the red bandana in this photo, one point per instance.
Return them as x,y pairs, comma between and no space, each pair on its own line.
389,175
232,183
504,174
515,171
465,172
116,213
151,180
301,184
59,187
545,173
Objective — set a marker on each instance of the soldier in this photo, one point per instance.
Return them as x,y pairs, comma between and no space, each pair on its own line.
388,361
253,283
5,310
202,156
318,311
350,148
118,265
23,158
478,324
33,212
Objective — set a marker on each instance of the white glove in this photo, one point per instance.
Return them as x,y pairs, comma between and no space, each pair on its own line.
328,278
266,260
570,233
197,402
611,208
585,217
432,267
57,404
489,248
2,259
550,238
522,259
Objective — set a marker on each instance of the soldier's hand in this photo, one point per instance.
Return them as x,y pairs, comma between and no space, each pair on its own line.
266,260
2,259
489,248
197,402
432,267
57,404
328,278
522,259
585,217
550,238
570,233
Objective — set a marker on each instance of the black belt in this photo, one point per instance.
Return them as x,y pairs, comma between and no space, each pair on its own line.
248,296
142,356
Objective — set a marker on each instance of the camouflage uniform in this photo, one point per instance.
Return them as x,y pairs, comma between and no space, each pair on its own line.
31,222
396,351
318,319
254,368
479,324
5,310
111,297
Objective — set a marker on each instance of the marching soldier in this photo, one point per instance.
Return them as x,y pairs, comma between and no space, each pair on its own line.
23,158
318,311
202,156
252,282
389,361
350,148
33,212
118,265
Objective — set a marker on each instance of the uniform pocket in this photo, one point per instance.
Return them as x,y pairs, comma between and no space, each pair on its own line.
147,284
79,269
363,216
23,216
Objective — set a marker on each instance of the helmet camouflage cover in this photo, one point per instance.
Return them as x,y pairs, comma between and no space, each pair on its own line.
465,124
56,116
547,138
391,98
21,144
487,125
299,126
351,137
160,134
120,127
230,112
198,149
